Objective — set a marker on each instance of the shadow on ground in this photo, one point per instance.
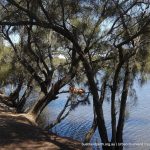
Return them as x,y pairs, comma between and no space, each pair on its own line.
17,133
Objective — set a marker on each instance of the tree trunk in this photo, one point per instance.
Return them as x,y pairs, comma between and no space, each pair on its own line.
23,99
123,108
15,95
97,105
90,133
43,102
60,117
93,88
113,107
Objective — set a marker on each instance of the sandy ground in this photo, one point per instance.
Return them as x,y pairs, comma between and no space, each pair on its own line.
19,133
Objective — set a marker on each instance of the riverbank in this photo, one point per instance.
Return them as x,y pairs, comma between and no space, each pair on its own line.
18,132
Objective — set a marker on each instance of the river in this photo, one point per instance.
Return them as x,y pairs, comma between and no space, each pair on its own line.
136,129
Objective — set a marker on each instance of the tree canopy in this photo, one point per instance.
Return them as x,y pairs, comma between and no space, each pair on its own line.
102,36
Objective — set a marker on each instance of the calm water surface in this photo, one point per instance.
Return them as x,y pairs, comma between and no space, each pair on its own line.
137,126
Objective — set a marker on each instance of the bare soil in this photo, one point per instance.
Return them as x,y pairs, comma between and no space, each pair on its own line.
18,132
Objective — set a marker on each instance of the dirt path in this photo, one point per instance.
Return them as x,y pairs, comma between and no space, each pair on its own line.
18,133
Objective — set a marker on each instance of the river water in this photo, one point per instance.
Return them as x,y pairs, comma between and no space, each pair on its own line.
136,129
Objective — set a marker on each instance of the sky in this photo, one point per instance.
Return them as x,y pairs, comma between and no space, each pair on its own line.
15,39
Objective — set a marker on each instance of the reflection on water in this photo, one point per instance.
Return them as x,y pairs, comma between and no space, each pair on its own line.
78,122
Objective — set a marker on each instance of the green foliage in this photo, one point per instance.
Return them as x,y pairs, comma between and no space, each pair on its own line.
58,61
5,63
10,69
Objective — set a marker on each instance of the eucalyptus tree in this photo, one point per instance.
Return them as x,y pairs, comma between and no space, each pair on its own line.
83,31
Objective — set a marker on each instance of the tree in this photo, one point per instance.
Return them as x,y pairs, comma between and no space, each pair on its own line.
80,28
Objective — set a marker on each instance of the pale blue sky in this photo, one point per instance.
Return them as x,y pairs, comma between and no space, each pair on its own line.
15,39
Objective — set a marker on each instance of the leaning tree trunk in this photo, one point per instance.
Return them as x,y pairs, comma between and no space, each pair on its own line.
41,103
52,94
62,115
91,132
